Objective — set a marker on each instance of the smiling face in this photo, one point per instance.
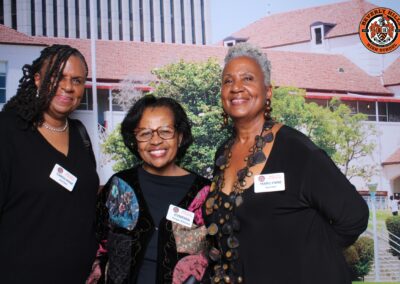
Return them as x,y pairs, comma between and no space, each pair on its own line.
70,88
158,154
243,91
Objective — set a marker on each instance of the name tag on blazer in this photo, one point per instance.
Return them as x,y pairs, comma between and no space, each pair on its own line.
180,216
269,182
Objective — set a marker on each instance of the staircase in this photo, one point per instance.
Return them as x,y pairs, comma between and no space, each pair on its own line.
389,265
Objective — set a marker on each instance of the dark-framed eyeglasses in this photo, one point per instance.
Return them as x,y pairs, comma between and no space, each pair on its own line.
145,134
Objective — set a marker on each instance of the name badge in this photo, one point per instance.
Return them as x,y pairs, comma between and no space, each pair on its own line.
63,177
180,216
269,182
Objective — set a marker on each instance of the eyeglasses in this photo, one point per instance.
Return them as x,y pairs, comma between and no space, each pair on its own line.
145,134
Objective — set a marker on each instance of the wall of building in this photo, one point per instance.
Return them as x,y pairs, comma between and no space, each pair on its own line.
128,20
15,57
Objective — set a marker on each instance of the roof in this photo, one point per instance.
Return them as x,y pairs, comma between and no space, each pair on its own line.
322,72
118,59
11,36
391,76
294,27
393,158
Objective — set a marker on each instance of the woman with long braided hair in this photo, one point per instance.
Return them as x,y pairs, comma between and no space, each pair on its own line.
48,179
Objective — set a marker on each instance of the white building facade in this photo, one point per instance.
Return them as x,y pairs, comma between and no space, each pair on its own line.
169,21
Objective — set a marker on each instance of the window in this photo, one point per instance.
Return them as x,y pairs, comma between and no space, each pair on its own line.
44,20
352,105
183,21
55,18
368,108
1,12
203,24
87,18
162,20
382,112
33,28
172,21
320,102
318,35
130,21
120,20
141,20
77,18
98,19
394,112
193,22
14,14
151,21
3,73
87,100
66,20
109,16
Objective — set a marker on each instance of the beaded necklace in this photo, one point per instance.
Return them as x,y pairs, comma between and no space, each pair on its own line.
221,207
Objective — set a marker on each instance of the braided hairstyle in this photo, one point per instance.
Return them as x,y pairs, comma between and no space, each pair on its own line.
30,102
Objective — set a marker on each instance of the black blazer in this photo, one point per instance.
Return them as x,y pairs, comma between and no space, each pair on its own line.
126,249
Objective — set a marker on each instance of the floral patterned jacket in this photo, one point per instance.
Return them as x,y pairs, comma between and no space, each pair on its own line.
124,227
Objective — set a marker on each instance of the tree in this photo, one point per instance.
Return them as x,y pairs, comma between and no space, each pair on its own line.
335,129
197,87
128,93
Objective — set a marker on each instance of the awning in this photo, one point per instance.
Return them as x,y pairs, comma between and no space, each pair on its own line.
353,97
116,86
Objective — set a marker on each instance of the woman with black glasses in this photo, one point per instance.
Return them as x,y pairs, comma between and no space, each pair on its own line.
138,243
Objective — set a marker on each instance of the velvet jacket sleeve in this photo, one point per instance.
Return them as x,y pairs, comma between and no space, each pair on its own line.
329,192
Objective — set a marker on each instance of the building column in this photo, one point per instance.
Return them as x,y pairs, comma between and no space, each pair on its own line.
24,17
136,20
157,20
167,21
125,20
38,18
71,19
7,13
188,21
60,18
178,20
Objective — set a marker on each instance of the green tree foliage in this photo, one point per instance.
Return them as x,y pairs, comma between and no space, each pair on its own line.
359,257
197,86
334,128
115,147
393,226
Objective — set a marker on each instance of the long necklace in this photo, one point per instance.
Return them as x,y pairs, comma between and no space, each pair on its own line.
222,207
56,129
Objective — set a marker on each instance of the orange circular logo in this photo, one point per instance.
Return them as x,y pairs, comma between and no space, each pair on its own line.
379,30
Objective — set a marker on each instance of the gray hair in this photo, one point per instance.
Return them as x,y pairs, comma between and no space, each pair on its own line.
248,50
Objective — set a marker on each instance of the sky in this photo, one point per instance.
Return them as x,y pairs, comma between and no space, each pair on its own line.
229,16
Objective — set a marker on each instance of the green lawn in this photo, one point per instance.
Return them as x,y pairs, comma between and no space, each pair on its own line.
381,216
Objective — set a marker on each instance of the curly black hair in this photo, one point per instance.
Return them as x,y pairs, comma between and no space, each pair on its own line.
135,113
30,102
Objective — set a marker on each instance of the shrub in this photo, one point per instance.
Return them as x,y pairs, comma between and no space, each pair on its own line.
359,257
393,226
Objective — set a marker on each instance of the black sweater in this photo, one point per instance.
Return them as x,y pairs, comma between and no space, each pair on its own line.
297,235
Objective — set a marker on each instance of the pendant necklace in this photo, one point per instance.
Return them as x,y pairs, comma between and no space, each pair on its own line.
221,208
56,129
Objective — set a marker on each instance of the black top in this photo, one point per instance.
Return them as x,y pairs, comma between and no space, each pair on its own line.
159,192
46,231
126,246
297,235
